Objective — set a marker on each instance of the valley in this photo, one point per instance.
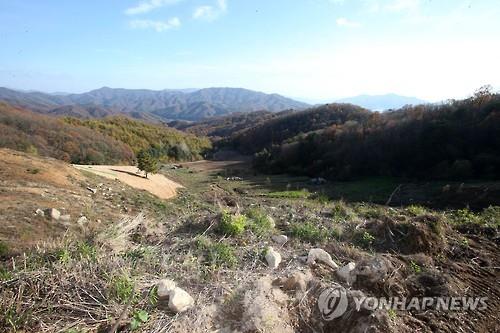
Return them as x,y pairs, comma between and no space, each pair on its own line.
245,221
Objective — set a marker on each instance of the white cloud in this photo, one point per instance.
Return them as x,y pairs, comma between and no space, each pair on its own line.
147,6
159,26
210,13
344,22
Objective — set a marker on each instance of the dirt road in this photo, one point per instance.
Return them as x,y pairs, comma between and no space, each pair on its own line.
156,184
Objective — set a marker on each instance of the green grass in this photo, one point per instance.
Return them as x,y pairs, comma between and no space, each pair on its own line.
122,288
260,223
299,194
308,232
217,254
4,249
377,189
86,250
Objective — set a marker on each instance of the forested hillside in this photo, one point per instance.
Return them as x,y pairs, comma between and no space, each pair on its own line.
163,142
221,127
285,126
457,140
105,141
38,134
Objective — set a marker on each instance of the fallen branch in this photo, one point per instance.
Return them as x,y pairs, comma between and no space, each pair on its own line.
392,194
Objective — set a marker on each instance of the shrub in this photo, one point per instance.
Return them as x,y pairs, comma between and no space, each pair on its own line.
416,210
491,216
415,267
308,232
260,222
364,239
464,216
370,211
341,212
139,317
122,288
232,225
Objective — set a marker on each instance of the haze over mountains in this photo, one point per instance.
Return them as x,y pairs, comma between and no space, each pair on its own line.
382,102
187,104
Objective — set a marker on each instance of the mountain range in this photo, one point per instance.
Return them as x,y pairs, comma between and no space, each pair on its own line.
160,105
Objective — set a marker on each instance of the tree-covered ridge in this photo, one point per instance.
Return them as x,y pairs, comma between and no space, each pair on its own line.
288,125
457,139
161,142
221,127
30,132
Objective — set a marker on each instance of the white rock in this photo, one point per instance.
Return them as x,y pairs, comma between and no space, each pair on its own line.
82,220
273,258
280,239
65,217
93,190
164,287
345,274
39,212
53,213
321,256
179,300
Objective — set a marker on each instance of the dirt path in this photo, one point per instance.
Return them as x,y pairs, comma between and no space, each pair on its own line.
156,184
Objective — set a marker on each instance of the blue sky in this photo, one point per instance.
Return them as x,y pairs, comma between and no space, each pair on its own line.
311,49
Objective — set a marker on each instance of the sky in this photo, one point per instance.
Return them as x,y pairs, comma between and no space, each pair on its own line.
314,50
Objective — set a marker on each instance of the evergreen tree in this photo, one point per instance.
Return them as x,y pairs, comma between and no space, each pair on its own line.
146,162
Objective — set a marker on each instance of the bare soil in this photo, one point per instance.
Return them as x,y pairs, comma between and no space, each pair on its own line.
155,184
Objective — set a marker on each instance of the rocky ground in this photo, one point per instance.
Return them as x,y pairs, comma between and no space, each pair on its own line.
232,252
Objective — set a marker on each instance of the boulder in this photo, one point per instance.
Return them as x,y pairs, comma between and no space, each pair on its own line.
265,309
345,273
164,287
52,213
39,212
179,300
322,256
372,270
297,281
273,258
65,218
280,239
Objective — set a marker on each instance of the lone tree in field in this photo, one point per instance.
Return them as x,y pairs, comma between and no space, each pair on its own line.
147,163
